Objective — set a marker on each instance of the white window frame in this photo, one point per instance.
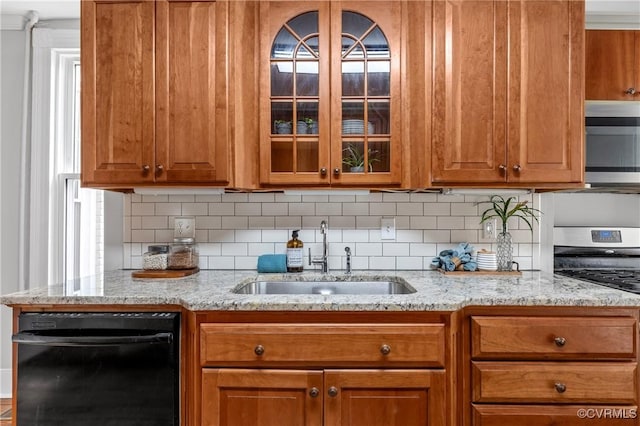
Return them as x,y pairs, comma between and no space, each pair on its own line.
53,50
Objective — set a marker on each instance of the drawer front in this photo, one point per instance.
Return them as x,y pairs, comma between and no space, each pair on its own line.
549,415
555,382
322,344
553,337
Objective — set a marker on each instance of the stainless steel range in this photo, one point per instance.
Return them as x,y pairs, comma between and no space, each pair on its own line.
602,255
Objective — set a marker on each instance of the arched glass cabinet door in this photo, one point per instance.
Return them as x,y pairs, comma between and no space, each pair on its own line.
366,93
296,110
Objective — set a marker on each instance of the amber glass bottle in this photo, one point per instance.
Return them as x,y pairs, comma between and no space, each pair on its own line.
295,254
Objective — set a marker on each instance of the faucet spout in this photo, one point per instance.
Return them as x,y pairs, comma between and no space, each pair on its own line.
324,260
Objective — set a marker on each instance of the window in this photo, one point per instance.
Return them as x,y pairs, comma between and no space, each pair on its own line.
64,226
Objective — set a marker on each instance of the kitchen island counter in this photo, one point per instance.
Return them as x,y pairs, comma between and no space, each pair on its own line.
212,291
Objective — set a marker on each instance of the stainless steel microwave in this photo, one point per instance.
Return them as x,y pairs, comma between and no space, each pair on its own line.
612,138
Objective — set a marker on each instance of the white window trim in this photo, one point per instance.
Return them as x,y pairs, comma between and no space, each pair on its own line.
46,238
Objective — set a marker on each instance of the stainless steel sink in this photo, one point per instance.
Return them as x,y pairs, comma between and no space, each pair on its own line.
325,287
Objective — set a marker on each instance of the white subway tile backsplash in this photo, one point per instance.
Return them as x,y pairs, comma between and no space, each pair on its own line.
235,222
248,236
262,222
248,209
234,229
222,236
154,222
182,198
382,209
208,222
395,249
221,209
291,222
194,209
368,249
450,222
143,209
275,209
167,209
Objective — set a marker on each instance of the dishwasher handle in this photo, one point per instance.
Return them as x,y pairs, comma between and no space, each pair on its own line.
39,339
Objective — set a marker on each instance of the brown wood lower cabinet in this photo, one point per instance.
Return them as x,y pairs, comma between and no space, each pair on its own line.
239,397
570,415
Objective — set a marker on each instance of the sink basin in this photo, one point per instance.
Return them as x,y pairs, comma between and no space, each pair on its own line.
325,287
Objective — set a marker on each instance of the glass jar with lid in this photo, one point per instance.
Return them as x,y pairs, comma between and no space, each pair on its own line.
183,254
156,257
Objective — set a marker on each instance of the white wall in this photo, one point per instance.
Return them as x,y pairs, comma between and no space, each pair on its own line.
12,50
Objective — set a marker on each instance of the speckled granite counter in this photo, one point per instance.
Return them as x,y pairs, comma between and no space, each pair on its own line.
211,290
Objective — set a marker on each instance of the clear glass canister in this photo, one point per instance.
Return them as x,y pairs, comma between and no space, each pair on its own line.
156,257
183,254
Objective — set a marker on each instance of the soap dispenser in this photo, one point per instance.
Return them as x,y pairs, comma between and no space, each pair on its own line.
295,253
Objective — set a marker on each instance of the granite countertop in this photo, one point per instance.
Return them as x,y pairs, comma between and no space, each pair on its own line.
211,290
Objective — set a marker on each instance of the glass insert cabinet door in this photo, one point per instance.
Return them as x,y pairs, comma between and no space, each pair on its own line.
330,93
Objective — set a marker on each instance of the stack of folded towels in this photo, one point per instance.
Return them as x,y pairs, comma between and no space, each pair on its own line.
458,259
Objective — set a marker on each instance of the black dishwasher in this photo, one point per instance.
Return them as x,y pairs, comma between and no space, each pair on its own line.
98,369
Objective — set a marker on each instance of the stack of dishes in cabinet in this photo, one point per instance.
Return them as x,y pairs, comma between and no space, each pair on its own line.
487,260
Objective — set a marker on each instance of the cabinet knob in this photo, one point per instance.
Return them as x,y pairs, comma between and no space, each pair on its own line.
560,341
259,350
385,349
323,171
631,91
314,392
502,168
336,171
517,167
159,168
333,391
146,168
560,387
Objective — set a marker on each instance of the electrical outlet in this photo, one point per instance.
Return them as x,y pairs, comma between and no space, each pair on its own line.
184,227
489,229
388,228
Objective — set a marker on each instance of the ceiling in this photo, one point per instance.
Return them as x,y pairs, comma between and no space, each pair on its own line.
64,9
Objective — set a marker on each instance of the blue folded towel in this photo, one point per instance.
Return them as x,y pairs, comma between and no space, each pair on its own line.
272,263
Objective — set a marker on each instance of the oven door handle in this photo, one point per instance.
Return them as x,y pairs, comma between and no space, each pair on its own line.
27,338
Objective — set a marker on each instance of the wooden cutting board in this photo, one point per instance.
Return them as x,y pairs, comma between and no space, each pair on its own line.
165,273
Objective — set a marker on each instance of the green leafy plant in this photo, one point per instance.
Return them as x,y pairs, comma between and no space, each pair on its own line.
308,120
354,157
510,207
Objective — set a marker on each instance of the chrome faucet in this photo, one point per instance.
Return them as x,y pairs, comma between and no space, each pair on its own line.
324,259
347,250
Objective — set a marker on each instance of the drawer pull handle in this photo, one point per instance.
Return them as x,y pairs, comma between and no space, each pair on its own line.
333,391
560,387
560,341
259,350
314,392
385,349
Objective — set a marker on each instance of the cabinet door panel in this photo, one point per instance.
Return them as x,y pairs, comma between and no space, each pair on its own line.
117,92
233,397
501,415
611,66
530,382
191,58
546,91
384,398
469,125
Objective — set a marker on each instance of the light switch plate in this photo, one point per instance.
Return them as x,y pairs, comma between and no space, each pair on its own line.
489,229
184,227
388,228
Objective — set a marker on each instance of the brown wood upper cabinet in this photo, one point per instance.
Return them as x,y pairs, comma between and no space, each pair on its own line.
508,92
330,93
154,85
612,65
